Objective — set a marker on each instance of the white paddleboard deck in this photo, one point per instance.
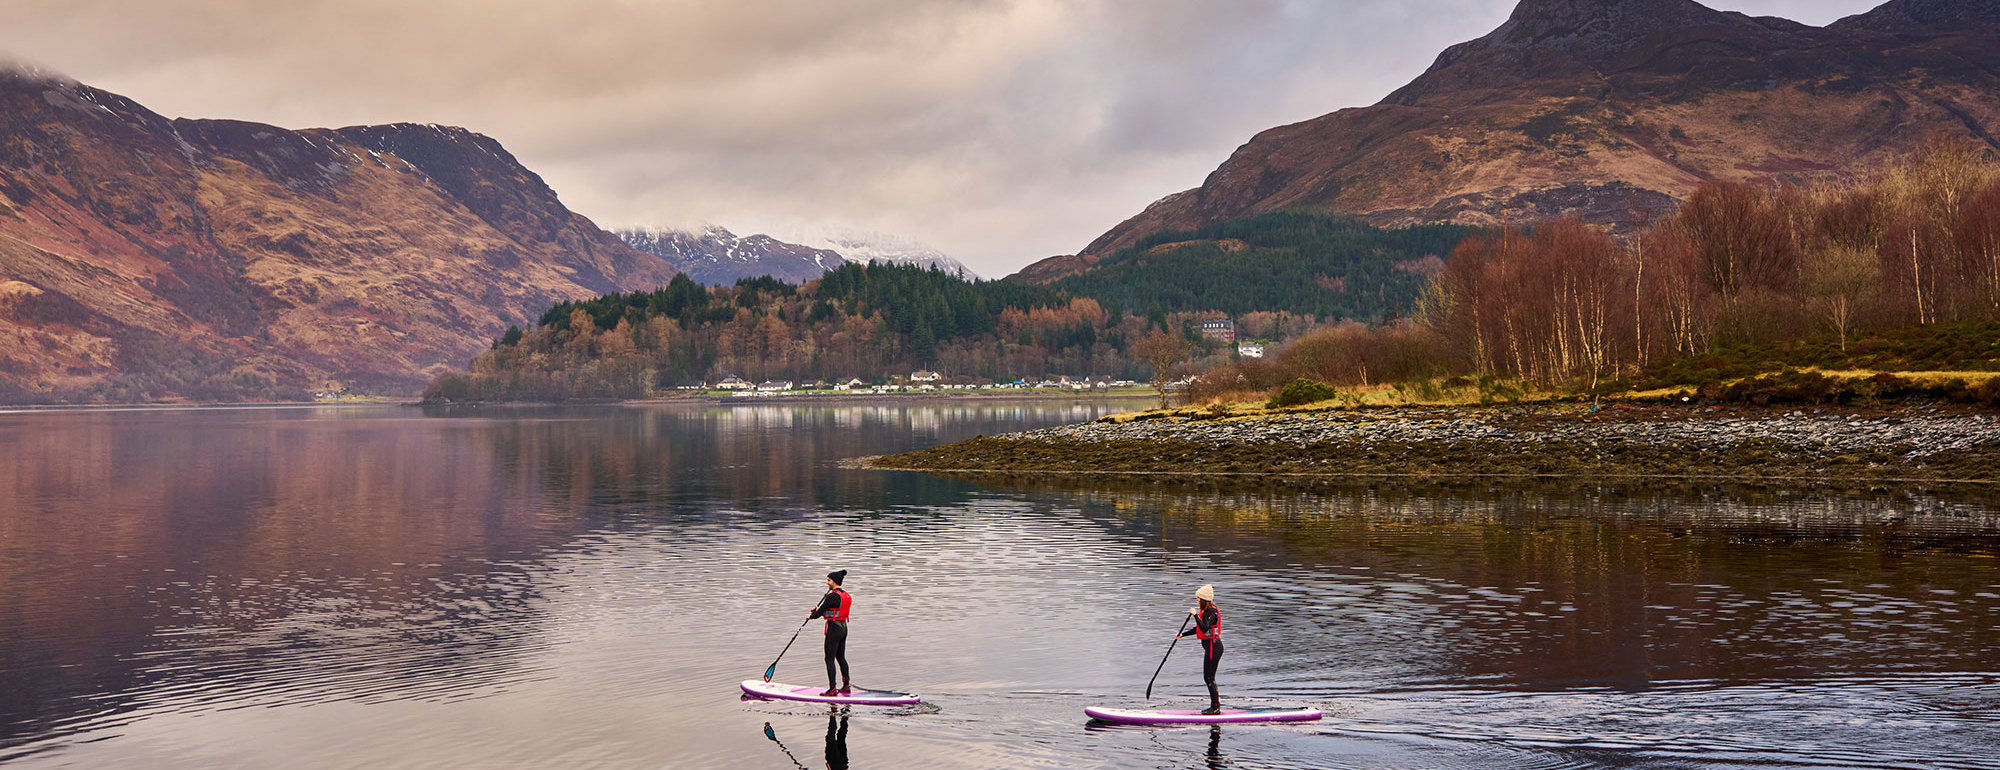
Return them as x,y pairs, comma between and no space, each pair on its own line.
781,691
1193,717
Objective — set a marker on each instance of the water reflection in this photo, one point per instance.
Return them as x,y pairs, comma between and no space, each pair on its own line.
742,458
836,741
1598,585
378,554
162,548
584,587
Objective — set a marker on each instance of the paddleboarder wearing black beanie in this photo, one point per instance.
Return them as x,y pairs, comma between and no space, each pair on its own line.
835,607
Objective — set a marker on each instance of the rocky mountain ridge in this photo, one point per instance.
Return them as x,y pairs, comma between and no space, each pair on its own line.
1613,110
145,258
717,257
714,256
866,246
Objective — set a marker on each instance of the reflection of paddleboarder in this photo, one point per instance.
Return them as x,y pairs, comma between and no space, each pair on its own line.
773,736
836,740
835,607
1208,628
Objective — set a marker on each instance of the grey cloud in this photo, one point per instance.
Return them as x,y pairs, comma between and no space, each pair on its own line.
1000,131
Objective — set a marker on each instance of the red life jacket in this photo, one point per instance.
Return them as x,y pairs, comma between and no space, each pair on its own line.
840,613
1214,632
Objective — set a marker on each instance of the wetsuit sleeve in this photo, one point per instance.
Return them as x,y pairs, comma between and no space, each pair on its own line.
1207,620
826,605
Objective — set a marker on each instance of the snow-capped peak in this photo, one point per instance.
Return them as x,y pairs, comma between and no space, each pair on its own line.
868,246
716,256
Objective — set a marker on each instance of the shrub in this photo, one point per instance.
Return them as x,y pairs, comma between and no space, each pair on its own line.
449,388
1423,389
1303,391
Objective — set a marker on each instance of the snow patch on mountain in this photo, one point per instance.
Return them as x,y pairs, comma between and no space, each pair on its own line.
867,246
715,256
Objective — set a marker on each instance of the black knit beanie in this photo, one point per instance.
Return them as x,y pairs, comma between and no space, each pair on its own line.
837,576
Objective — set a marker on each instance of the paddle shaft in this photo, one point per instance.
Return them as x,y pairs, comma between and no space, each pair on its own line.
1163,658
773,670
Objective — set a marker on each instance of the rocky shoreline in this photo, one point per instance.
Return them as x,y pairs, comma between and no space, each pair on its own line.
1923,443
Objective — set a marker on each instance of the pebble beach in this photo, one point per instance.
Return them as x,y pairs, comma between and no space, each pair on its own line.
1911,443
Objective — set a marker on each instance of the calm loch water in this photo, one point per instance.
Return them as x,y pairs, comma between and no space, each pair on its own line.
373,587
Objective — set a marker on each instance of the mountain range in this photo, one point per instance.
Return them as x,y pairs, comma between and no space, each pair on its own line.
868,246
715,256
1611,110
143,258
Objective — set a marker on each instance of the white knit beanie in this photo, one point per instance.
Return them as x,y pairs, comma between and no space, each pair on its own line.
1205,592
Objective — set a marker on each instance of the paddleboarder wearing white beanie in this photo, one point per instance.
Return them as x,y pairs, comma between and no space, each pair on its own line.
835,607
1208,628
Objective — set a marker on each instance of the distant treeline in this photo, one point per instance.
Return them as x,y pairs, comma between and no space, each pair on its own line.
875,321
1740,265
1325,267
872,321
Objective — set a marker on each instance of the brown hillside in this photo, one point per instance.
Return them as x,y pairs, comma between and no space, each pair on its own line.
1613,110
143,258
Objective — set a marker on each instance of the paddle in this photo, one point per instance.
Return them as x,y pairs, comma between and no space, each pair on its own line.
773,670
773,735
1163,658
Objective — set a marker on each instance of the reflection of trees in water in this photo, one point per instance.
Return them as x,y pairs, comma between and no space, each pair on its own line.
252,551
332,552
697,459
1962,516
1531,583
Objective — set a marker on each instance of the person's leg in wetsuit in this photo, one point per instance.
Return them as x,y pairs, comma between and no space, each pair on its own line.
836,656
1211,657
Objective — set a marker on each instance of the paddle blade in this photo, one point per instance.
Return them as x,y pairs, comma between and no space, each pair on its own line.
769,733
770,672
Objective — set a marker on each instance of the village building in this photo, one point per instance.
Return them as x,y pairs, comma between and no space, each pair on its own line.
925,376
1250,349
1220,331
733,382
774,386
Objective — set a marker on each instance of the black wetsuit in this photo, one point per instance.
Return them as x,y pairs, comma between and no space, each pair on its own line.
1211,649
836,639
1210,620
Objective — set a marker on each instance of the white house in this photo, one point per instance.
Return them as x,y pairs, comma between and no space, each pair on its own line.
774,386
733,382
925,376
1250,349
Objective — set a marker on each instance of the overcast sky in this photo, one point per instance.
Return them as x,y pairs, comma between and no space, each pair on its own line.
1000,131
